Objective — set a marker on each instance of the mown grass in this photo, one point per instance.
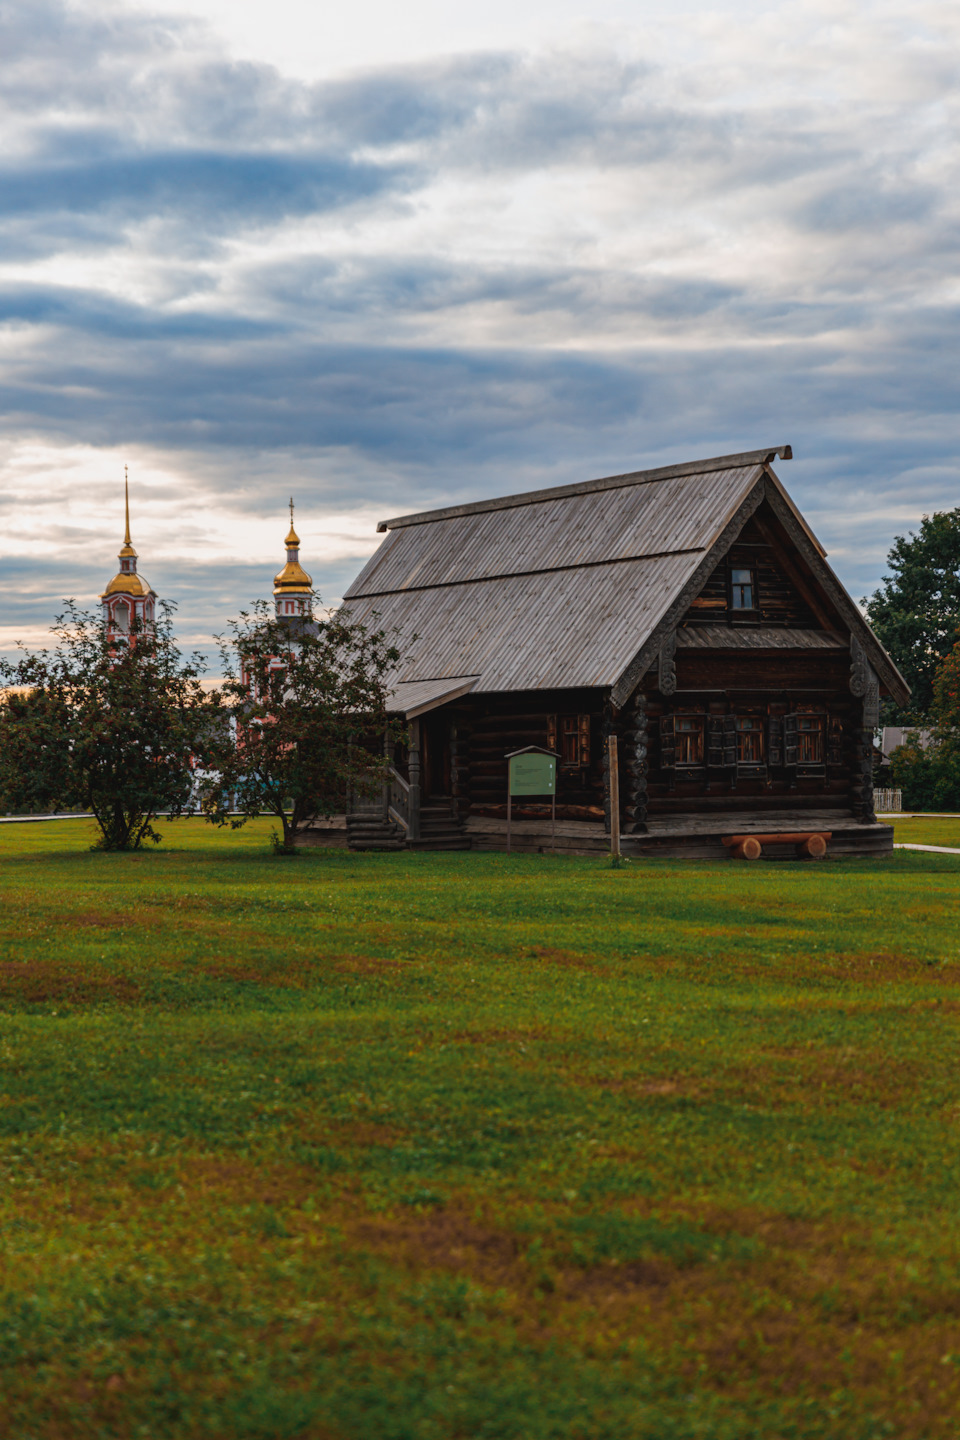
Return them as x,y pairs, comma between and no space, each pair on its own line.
409,1147
927,830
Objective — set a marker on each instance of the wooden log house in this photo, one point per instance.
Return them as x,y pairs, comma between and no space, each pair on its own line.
689,610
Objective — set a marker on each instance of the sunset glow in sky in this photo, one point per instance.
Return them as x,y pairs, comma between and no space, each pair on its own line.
385,257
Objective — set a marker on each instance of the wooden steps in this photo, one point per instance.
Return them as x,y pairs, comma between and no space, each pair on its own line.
366,831
439,829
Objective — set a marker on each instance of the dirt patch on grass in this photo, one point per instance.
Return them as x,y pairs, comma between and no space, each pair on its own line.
821,1079
298,972
868,967
98,920
244,1182
568,959
367,965
448,1240
37,982
871,966
606,1281
785,1078
312,1131
293,976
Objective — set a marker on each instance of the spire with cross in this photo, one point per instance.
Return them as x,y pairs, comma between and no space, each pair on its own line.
128,601
293,587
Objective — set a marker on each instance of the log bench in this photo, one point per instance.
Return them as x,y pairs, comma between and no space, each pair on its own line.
811,844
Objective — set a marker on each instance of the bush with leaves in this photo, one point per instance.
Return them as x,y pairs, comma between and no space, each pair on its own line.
119,730
929,773
311,727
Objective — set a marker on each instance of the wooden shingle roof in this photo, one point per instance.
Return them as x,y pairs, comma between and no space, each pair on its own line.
569,587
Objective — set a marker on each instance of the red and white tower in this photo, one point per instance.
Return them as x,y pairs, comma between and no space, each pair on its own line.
128,601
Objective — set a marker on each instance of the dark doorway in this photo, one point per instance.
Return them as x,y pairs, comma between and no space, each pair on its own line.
435,755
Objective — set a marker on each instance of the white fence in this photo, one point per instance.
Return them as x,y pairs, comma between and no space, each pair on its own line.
887,802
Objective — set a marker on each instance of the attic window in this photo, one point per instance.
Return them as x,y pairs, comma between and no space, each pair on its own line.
742,590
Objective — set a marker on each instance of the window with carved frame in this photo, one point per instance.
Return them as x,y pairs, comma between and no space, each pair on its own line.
810,739
569,735
749,740
688,738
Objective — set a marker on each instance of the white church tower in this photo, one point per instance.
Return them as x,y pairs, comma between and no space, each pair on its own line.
128,601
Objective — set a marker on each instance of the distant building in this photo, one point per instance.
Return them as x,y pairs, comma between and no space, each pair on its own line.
896,735
129,602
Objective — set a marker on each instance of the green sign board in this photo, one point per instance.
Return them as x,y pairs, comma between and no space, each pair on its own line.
533,774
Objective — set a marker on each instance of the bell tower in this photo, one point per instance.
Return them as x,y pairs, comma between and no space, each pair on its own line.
293,587
128,601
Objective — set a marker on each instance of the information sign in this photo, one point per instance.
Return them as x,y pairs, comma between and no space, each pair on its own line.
533,774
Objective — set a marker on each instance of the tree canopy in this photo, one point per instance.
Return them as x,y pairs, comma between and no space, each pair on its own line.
119,730
309,702
916,611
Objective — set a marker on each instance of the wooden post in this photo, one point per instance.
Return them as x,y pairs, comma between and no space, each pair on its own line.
614,774
414,817
509,806
553,820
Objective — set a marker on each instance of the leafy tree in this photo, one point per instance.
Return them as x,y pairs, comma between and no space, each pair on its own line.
916,612
309,700
946,692
118,730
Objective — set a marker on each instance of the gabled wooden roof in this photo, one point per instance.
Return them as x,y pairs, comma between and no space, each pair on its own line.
575,586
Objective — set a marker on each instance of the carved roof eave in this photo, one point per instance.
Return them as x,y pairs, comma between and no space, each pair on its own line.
767,487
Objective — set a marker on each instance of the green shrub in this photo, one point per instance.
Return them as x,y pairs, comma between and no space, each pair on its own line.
930,777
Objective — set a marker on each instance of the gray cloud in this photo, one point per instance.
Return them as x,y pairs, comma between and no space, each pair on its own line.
408,340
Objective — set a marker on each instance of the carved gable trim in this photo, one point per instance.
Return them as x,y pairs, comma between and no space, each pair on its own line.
668,664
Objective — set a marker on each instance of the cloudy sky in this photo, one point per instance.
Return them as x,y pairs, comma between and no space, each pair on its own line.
386,257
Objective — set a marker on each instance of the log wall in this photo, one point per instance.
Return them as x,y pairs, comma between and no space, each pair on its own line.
484,729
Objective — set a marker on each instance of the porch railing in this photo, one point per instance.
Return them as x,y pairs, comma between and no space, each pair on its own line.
398,799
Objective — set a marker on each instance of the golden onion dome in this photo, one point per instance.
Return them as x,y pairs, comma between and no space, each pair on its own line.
292,580
127,584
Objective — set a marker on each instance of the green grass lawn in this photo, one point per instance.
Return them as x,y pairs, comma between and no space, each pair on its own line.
409,1147
927,830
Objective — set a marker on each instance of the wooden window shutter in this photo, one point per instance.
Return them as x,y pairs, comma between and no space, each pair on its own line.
668,743
835,743
551,732
729,740
790,740
715,742
583,732
774,740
